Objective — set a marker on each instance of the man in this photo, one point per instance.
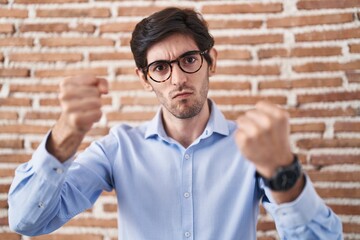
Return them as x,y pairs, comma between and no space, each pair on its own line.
186,174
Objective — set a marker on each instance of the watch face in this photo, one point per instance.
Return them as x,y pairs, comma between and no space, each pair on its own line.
286,180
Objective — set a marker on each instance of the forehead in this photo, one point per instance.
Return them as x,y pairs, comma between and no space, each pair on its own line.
171,47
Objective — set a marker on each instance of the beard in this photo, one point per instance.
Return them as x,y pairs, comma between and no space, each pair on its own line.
188,107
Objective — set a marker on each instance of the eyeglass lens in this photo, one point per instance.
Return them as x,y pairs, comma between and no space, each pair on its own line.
190,62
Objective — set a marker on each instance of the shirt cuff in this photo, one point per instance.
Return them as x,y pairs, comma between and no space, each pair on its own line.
295,213
47,166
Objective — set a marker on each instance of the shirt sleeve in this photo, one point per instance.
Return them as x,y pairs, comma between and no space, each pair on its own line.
307,217
46,193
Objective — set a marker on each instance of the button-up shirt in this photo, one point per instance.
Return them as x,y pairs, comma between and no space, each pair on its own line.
164,191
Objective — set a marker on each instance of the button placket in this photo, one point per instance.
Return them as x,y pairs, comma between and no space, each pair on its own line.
187,202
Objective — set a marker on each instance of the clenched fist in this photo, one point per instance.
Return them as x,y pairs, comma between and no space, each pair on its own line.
80,100
263,137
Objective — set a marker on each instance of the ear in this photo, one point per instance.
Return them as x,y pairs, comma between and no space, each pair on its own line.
213,55
147,86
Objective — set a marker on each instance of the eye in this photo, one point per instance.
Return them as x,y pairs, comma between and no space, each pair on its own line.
159,67
189,59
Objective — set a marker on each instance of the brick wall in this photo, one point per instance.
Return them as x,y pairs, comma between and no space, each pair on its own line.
301,54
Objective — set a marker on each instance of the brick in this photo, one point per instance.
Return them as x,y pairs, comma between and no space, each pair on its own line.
333,176
265,225
248,100
339,192
12,101
353,77
125,40
42,115
10,236
13,13
316,52
12,143
86,28
93,222
108,207
234,54
327,66
4,204
328,143
14,158
300,21
98,131
344,126
321,112
1,60
307,127
117,27
49,102
249,70
47,27
139,101
242,8
351,227
354,48
125,71
76,42
24,129
271,53
234,24
57,236
321,4
301,83
4,2
139,10
48,73
110,56
7,28
49,1
339,34
328,159
125,85
345,209
8,115
14,72
250,39
74,13
229,85
45,57
30,88
328,97
130,116
16,42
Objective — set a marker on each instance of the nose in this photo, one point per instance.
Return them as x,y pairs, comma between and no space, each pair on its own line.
178,77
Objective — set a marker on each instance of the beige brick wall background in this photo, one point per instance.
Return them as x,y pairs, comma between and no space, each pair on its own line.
301,54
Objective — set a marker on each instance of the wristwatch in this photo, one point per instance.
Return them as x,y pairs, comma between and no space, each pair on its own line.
285,177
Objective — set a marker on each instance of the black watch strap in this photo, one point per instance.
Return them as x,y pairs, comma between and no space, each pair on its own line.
285,177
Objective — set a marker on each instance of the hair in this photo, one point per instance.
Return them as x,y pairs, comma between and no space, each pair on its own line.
165,23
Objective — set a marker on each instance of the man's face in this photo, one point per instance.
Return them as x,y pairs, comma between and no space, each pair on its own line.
183,94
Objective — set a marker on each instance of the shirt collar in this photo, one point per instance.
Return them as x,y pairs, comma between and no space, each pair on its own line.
217,123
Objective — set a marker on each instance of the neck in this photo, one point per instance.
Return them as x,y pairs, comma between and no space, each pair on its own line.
186,131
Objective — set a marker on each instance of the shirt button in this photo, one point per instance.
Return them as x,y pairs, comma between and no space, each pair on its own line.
59,170
186,194
187,234
187,156
41,205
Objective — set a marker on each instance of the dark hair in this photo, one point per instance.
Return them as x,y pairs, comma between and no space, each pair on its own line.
164,23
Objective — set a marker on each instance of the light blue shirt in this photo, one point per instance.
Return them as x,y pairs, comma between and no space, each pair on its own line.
164,191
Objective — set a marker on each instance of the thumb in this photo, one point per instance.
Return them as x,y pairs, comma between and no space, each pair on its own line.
103,85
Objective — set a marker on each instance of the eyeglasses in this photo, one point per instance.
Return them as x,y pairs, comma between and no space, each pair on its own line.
189,62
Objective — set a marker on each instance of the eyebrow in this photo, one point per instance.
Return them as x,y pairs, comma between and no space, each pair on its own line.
180,56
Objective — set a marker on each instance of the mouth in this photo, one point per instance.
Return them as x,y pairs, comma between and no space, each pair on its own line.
182,94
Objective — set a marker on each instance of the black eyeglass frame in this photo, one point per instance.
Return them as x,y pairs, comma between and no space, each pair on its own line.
177,60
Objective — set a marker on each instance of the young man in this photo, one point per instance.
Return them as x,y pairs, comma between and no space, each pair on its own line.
188,173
